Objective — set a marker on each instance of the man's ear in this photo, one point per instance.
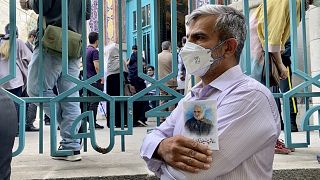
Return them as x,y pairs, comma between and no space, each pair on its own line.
230,47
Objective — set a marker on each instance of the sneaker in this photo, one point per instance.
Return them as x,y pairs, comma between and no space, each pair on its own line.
138,125
280,148
31,128
144,124
282,144
75,157
97,126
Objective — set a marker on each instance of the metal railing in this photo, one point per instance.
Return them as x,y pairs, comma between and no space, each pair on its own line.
156,84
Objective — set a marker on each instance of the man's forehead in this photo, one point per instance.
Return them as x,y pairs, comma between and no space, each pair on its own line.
203,24
197,108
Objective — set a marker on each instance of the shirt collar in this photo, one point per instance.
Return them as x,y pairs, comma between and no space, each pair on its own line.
91,46
221,83
227,79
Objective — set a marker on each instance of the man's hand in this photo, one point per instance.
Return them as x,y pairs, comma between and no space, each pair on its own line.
185,154
24,4
283,71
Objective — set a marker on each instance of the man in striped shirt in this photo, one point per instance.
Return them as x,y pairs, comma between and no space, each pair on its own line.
247,117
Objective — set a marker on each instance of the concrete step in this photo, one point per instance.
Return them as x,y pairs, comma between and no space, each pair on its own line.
290,174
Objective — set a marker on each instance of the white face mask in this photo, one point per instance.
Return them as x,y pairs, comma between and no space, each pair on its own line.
198,59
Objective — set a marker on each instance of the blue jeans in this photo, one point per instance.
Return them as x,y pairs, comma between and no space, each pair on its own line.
67,112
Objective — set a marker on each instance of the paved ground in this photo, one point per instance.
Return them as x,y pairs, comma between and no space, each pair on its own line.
32,165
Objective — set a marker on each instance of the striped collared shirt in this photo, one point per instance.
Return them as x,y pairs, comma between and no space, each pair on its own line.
248,127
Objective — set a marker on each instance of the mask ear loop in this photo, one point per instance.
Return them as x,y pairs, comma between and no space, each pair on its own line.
216,47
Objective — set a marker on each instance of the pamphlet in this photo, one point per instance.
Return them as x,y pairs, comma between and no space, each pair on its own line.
200,118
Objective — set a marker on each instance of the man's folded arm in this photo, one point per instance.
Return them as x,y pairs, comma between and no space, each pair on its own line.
151,142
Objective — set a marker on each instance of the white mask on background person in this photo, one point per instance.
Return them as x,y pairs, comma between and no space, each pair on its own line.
198,59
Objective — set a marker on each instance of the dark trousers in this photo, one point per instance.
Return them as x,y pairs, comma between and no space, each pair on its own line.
31,111
139,107
113,89
284,87
93,106
17,92
8,129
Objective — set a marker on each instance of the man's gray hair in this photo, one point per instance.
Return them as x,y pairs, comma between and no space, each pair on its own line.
166,45
230,23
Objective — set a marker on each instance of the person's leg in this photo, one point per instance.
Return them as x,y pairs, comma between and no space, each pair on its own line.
52,66
275,89
113,89
69,110
116,92
18,93
8,129
46,119
142,105
93,106
109,92
163,93
285,87
31,114
280,146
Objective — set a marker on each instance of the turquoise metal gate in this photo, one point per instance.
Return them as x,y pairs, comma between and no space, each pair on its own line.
156,84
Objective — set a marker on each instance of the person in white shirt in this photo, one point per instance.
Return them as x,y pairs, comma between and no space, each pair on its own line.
181,70
247,116
112,73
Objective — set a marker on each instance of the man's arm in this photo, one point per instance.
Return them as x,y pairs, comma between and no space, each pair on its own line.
96,63
283,71
96,67
128,62
149,148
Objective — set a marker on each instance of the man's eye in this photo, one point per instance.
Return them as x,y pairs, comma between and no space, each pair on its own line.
200,38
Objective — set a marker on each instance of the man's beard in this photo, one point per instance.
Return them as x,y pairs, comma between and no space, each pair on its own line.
199,118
